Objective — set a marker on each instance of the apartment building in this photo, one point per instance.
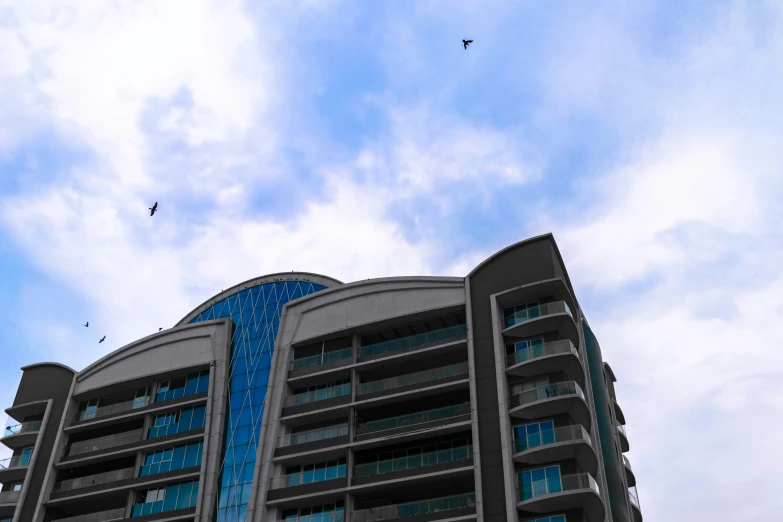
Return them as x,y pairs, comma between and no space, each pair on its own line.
297,397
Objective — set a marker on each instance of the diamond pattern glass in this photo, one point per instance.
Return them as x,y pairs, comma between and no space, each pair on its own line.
256,315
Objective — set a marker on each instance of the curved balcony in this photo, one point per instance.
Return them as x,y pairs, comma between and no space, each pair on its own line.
618,412
21,435
635,507
417,380
566,442
547,358
544,318
9,498
447,507
112,409
629,475
578,491
624,445
553,399
106,442
14,468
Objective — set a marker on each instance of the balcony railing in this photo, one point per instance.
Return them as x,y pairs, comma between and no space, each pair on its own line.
549,486
410,379
18,461
634,495
326,516
9,497
546,392
318,395
413,418
541,350
542,438
420,460
418,341
321,359
109,441
24,427
94,480
101,516
103,411
308,477
534,312
627,463
303,437
408,509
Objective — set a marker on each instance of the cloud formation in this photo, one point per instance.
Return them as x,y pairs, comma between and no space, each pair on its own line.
361,142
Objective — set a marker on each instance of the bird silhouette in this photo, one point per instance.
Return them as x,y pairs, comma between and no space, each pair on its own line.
102,339
153,208
159,329
88,324
466,43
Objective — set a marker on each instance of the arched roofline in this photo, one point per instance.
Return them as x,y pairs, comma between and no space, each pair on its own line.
119,353
543,237
305,277
35,365
334,294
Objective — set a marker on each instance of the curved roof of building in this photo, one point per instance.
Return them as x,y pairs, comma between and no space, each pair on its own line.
257,281
35,365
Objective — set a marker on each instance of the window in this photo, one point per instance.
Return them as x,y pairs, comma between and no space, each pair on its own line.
333,512
517,314
177,422
24,456
194,383
309,473
529,436
537,482
17,486
552,518
169,498
179,457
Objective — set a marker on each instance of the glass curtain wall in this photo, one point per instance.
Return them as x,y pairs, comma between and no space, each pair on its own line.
256,315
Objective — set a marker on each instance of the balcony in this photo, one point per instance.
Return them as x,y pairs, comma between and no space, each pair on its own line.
618,412
322,361
398,383
566,442
101,516
331,392
547,358
111,409
14,468
450,507
424,462
312,439
21,435
540,319
629,475
413,419
624,445
414,342
553,399
577,491
102,443
635,506
9,498
326,516
94,480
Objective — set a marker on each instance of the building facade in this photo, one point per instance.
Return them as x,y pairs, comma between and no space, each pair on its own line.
297,397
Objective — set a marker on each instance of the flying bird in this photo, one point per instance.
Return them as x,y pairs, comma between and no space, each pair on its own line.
102,339
88,324
153,208
466,43
159,329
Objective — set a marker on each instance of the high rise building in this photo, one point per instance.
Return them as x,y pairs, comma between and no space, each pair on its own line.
297,397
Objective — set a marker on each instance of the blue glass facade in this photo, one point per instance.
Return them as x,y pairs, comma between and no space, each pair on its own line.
256,315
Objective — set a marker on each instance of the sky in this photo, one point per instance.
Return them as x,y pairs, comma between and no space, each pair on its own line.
359,139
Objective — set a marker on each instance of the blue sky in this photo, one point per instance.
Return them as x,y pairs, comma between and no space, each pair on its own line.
358,139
